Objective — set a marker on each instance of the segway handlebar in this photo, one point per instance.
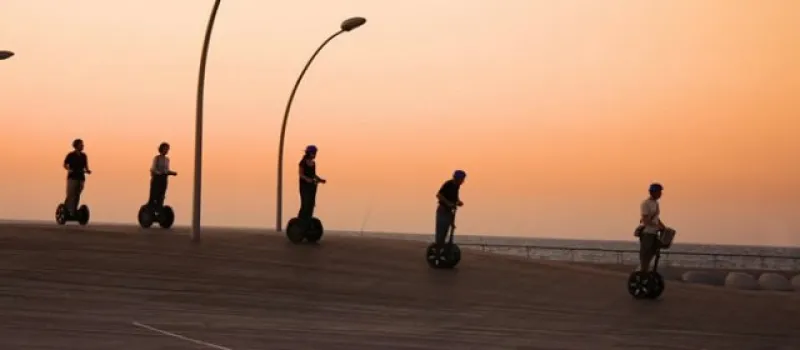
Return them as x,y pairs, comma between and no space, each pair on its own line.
169,173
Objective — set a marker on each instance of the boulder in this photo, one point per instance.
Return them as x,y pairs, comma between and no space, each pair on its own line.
702,277
741,280
796,282
774,281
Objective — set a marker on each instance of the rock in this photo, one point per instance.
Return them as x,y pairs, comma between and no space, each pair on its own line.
774,281
796,282
741,280
701,277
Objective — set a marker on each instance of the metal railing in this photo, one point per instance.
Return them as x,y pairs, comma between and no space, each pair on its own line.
630,256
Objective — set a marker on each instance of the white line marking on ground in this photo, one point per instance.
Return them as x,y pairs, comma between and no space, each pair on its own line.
178,336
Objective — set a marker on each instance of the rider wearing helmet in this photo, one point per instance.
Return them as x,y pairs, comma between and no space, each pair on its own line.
77,165
650,226
159,172
448,200
307,169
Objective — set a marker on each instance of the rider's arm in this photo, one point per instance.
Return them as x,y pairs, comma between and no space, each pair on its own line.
66,161
440,195
302,173
645,213
648,212
86,163
157,168
444,200
167,167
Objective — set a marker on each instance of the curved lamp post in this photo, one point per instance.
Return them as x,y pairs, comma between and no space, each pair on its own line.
198,128
346,26
5,54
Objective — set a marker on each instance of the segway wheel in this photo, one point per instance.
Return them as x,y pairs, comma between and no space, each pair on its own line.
61,214
645,285
636,285
432,256
83,215
166,218
450,256
314,233
295,231
657,285
145,216
453,254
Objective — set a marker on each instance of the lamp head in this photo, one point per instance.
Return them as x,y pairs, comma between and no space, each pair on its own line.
353,23
5,54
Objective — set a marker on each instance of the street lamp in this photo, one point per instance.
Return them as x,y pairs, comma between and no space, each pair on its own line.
198,126
346,26
5,54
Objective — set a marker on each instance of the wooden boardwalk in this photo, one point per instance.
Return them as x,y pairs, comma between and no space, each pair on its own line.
76,288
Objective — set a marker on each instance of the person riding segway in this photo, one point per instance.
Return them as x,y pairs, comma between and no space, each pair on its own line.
443,253
305,226
155,210
77,165
654,235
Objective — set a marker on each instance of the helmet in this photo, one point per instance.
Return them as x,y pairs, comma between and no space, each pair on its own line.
311,149
459,174
76,142
655,187
163,146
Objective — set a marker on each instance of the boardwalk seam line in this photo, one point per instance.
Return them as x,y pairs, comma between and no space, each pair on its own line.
178,336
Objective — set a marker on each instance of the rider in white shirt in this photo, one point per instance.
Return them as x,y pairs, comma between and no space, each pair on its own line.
650,226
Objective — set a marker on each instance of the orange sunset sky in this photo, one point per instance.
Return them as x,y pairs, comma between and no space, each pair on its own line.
562,112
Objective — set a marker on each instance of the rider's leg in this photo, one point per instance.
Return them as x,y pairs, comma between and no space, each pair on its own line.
68,196
305,203
73,194
648,244
161,191
312,201
444,218
151,200
78,195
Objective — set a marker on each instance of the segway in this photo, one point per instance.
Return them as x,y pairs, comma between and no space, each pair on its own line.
448,256
650,285
299,230
63,215
148,215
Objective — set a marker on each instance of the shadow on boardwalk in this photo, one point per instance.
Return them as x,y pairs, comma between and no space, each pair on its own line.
81,288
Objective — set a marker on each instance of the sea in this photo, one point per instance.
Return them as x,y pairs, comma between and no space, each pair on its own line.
623,252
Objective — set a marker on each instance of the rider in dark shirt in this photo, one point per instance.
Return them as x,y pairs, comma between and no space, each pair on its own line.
159,173
307,169
77,165
448,200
